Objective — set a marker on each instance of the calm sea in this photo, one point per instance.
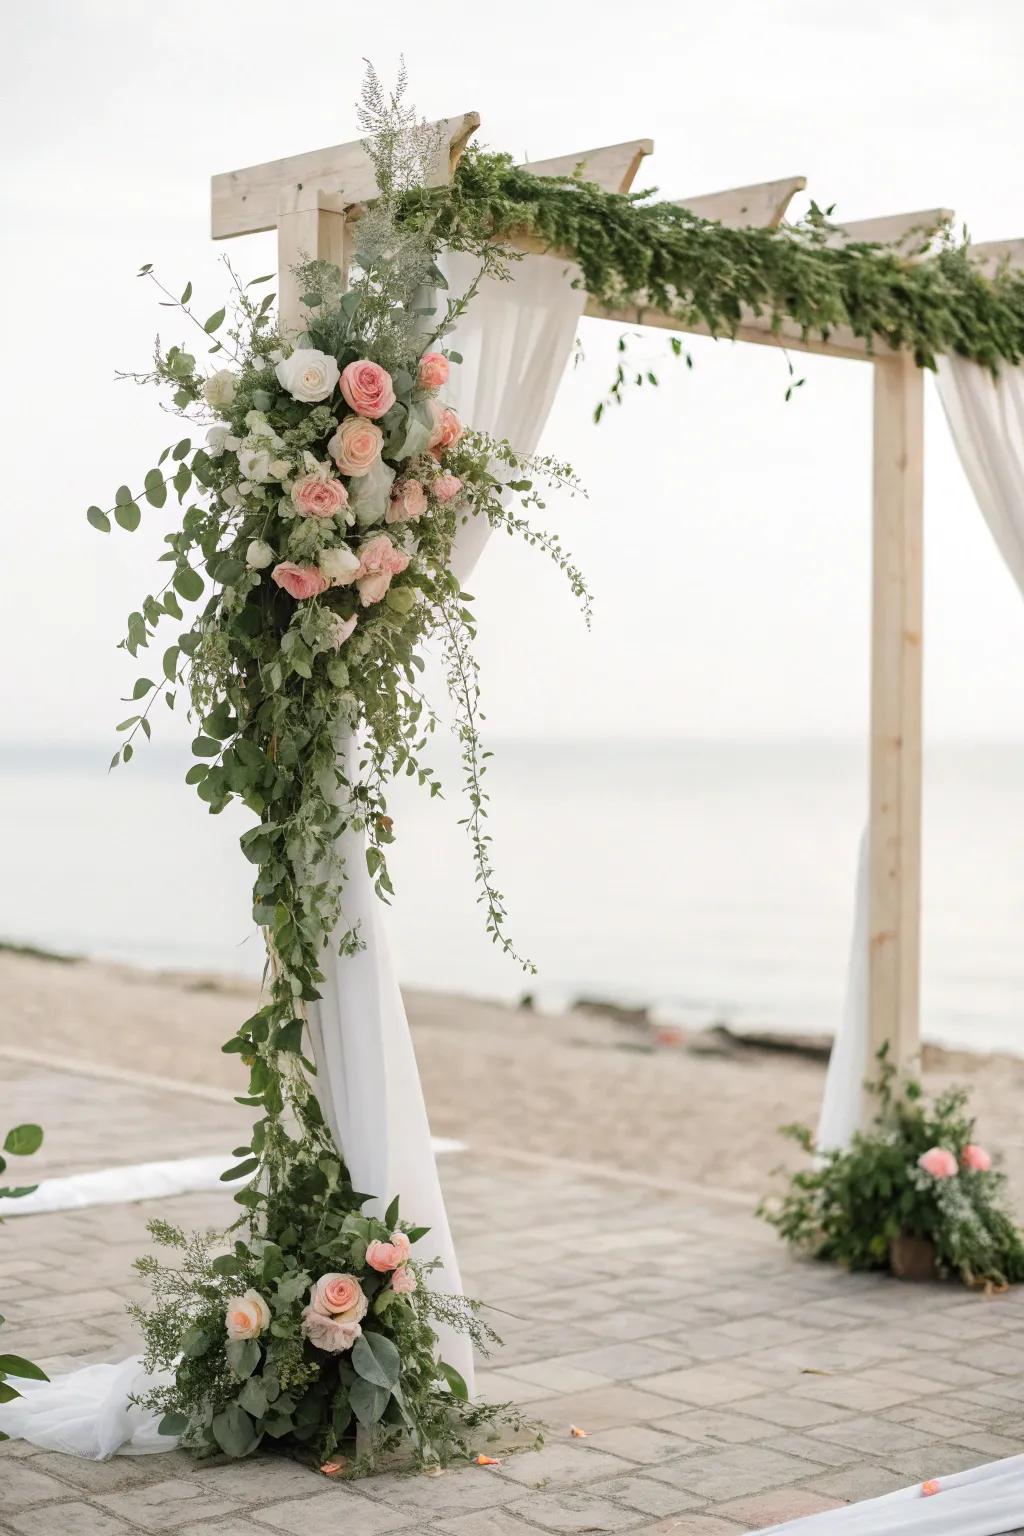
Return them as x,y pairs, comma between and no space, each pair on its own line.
712,879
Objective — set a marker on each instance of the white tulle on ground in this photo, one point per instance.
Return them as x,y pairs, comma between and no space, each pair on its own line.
984,1501
89,1413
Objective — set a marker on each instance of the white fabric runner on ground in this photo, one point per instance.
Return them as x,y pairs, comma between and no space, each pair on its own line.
141,1181
516,340
985,1501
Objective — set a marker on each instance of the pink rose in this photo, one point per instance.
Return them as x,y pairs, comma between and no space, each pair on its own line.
341,1296
938,1162
447,486
315,496
385,1256
367,388
447,430
408,500
379,560
246,1316
403,1281
332,1334
299,580
434,370
975,1159
356,445
340,630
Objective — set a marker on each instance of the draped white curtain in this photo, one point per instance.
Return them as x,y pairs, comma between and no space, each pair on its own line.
986,417
515,338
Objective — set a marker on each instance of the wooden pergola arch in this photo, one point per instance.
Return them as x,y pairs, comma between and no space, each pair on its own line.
311,200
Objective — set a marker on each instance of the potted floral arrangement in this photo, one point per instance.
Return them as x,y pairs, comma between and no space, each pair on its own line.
914,1194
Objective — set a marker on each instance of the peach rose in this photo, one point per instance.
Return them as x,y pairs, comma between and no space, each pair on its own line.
975,1159
385,1256
316,496
408,501
332,1334
447,486
246,1316
447,429
341,1296
938,1162
299,580
434,370
356,445
367,388
379,560
403,1281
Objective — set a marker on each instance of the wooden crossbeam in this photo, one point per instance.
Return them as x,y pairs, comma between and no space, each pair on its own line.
909,233
614,167
247,201
761,206
991,255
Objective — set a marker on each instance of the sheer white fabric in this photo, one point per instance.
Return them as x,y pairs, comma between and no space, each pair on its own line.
88,1412
516,339
986,418
985,1501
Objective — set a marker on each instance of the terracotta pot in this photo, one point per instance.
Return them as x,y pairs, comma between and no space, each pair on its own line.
912,1258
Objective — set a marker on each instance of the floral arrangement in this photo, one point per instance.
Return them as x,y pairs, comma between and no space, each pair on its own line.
20,1141
320,512
916,1177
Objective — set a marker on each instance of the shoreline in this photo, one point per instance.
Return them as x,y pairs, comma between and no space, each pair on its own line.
596,1085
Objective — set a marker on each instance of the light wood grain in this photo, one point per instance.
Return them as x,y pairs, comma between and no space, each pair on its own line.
911,234
760,206
246,201
991,255
613,167
896,636
309,228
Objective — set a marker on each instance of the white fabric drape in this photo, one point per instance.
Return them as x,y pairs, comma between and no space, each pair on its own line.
516,338
986,418
984,1501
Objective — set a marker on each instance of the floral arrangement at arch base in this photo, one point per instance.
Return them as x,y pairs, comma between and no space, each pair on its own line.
914,1193
320,514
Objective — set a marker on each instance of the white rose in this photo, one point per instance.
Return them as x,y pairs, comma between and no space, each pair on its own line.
216,441
339,565
259,555
308,374
219,389
246,1316
254,464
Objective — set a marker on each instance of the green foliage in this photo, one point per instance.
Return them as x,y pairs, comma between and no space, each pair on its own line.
232,1395
20,1141
633,250
848,1207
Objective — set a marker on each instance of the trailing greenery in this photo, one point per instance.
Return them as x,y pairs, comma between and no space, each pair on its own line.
20,1141
633,250
319,516
915,1173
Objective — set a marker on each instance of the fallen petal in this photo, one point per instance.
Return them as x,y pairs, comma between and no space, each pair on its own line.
487,1461
577,1434
930,1487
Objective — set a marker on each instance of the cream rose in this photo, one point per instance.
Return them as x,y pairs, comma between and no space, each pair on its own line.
247,1316
356,445
339,565
219,389
259,555
307,374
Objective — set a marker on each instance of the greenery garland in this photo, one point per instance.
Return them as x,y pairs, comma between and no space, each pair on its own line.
657,255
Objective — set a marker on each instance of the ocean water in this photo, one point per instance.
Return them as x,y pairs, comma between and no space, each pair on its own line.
712,880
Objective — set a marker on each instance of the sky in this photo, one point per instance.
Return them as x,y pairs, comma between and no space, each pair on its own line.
727,532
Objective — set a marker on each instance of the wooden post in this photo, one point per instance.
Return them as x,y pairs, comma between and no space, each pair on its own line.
310,227
895,834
